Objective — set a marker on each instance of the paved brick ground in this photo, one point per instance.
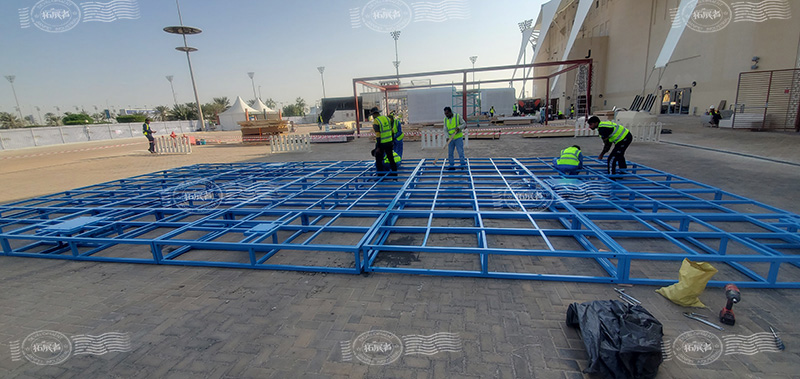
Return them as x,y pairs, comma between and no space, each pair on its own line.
218,323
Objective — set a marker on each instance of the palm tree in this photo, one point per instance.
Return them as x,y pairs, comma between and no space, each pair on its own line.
223,101
162,112
184,111
8,120
52,119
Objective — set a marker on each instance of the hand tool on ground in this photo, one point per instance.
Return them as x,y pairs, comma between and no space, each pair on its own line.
711,324
626,301
778,341
631,298
734,296
698,315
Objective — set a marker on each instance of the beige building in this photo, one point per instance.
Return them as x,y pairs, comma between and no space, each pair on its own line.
625,38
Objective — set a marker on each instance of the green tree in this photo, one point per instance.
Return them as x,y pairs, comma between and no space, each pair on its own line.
292,110
9,120
98,117
186,111
301,106
77,119
52,119
162,112
214,108
270,103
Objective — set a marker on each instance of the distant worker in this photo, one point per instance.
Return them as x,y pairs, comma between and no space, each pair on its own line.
491,111
397,133
560,115
149,134
617,135
715,116
319,121
572,111
515,110
382,126
570,161
454,126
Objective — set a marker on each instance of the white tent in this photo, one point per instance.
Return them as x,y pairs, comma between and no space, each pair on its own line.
237,112
261,107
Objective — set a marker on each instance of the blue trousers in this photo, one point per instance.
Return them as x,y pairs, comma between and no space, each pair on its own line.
456,144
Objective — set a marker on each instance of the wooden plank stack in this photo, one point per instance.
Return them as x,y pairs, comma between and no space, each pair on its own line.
260,131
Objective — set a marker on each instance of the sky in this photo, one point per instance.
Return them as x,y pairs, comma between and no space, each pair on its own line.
119,56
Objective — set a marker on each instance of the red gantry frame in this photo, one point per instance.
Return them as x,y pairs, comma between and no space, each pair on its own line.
569,65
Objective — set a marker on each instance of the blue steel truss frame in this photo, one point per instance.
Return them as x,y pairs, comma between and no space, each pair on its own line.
498,217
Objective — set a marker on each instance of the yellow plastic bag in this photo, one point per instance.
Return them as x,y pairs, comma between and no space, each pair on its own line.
692,280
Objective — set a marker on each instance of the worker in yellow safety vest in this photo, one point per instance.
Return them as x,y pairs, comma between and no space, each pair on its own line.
570,161
384,140
149,134
612,134
397,132
454,126
397,159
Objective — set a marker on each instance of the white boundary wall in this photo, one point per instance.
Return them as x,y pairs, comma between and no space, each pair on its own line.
12,139
285,143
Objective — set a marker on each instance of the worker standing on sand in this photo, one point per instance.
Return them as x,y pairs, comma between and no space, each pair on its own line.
454,126
491,111
149,134
612,134
570,162
384,139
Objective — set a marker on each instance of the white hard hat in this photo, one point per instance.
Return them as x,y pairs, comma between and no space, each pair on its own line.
711,107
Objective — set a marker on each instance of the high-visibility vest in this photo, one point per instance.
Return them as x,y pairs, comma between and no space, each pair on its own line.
319,119
146,129
619,132
384,133
569,157
453,123
397,130
397,158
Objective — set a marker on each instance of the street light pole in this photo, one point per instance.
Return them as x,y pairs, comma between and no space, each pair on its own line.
10,79
183,31
321,70
251,75
174,99
473,59
396,34
523,26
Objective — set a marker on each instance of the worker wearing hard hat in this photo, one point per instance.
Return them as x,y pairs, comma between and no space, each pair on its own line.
384,139
612,134
715,116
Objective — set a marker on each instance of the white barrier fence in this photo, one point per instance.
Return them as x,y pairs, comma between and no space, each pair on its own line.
173,145
286,143
437,138
12,139
650,132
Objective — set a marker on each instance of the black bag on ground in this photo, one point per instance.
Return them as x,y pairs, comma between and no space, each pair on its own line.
622,341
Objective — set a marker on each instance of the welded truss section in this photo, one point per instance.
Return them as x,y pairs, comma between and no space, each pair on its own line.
498,217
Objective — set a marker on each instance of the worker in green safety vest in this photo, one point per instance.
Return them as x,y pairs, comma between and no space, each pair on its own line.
570,161
397,159
397,132
384,140
454,126
149,134
612,134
